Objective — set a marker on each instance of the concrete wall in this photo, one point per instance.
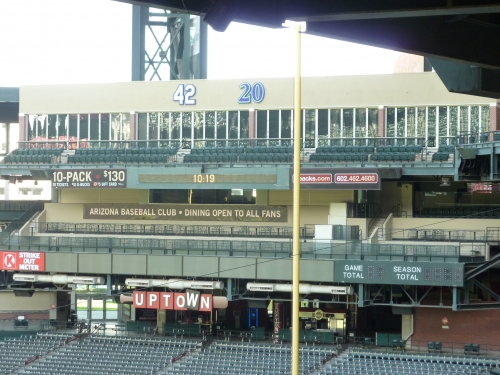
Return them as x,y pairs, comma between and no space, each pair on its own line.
350,91
34,307
442,223
314,205
476,326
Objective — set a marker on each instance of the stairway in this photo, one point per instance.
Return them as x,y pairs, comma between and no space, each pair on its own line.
377,224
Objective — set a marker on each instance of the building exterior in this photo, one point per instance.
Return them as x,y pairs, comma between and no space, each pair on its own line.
191,180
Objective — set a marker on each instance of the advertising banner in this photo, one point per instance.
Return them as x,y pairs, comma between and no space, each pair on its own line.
22,261
185,212
89,178
338,178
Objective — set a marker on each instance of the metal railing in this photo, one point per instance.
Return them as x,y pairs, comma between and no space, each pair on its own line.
173,230
454,235
16,206
267,249
18,223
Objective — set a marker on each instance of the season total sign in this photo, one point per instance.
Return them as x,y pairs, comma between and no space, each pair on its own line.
89,178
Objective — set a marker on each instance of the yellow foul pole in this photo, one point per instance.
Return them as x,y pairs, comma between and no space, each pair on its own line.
296,209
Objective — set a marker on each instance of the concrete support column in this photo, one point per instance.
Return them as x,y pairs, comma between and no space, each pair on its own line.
252,124
381,121
494,117
133,126
277,316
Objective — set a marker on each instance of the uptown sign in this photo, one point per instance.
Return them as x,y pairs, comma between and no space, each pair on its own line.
191,300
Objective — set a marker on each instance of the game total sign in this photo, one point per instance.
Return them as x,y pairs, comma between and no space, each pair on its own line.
191,300
22,261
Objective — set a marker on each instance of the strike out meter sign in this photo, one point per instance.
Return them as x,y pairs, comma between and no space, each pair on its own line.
22,261
89,178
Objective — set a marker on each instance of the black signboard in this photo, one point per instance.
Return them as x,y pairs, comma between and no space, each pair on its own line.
399,273
89,178
185,212
338,178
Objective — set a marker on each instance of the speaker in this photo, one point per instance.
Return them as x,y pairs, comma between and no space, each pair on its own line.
220,14
24,292
125,299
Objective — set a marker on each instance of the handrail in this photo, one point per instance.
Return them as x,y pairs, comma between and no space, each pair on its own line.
376,216
174,230
215,247
18,223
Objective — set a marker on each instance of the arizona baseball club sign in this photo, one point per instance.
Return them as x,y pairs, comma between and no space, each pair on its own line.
22,261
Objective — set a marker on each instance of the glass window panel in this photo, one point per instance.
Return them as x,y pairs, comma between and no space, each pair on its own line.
474,119
232,122
186,129
347,125
335,126
94,126
199,123
125,126
164,123
421,118
73,126
464,120
209,128
261,124
391,126
274,127
244,128
410,124
175,128
30,127
322,127
372,122
360,124
153,128
105,129
142,126
485,118
310,127
116,128
431,124
62,125
453,121
221,127
52,128
400,125
84,129
443,125
286,127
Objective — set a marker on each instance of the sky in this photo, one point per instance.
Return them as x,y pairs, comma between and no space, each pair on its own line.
89,41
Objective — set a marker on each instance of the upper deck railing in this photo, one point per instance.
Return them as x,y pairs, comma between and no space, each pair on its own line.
227,247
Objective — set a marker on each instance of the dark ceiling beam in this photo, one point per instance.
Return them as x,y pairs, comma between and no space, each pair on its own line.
458,41
399,13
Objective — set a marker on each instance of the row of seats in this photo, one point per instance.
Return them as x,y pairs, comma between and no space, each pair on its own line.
233,158
440,156
338,157
367,149
127,151
94,159
30,159
344,149
446,148
243,150
393,156
38,151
